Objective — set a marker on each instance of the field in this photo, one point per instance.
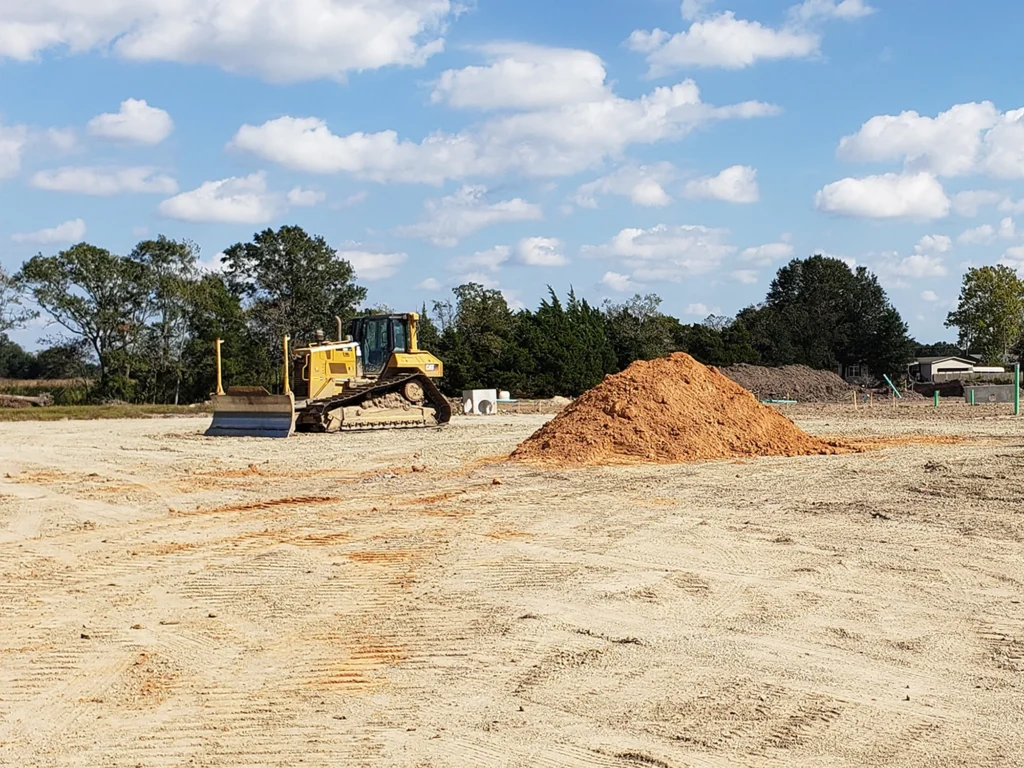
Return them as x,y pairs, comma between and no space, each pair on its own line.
91,412
411,599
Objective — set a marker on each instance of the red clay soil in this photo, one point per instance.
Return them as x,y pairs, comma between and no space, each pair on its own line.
669,411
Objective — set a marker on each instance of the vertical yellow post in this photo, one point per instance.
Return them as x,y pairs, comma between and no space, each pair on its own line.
414,332
220,383
855,395
287,384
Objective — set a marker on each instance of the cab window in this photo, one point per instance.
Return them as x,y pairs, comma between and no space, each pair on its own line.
375,346
398,328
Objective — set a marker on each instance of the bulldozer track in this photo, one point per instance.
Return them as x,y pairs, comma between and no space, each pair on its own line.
315,416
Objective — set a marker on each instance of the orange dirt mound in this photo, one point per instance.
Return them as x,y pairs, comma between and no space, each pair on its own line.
669,410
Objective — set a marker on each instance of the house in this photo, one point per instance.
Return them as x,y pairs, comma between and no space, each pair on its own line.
854,371
948,368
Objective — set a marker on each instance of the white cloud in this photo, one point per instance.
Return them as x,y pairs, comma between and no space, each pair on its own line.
666,252
926,261
969,202
618,282
812,10
746,276
1010,205
987,234
279,40
449,219
12,142
235,200
973,138
105,181
305,197
481,278
701,310
512,299
913,196
722,41
351,201
541,252
978,235
737,184
374,266
136,121
62,139
914,266
847,260
430,284
643,185
934,244
1003,155
491,260
558,141
770,253
1014,258
694,9
214,264
524,76
68,232
929,296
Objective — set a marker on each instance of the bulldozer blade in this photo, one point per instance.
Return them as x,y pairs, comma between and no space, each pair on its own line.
252,412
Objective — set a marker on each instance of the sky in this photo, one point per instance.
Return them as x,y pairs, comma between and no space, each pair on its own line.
612,146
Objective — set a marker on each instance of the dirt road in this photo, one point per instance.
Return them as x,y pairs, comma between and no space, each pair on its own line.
403,599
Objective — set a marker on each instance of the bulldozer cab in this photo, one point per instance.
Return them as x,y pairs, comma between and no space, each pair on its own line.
380,336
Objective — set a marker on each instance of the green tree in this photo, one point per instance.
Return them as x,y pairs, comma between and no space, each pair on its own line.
68,360
215,312
638,330
718,341
172,273
429,336
99,297
13,313
477,342
292,282
990,313
15,362
565,349
820,313
939,349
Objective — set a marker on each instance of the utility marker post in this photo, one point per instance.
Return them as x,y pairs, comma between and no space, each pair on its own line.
1016,389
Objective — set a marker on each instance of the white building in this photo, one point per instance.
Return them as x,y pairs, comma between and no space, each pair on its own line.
938,369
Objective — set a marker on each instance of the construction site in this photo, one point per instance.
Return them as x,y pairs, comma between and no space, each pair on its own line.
666,572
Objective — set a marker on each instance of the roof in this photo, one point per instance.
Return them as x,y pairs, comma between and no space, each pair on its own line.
944,358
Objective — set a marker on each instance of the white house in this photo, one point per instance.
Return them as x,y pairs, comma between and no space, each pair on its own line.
935,369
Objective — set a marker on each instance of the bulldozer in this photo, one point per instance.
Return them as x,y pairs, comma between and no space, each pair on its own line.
373,377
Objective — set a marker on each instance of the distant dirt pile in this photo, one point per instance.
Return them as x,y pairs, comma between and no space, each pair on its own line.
790,382
668,411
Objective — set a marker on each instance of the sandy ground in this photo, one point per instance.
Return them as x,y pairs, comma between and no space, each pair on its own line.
168,599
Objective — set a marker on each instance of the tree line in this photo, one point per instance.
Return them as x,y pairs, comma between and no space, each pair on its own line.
142,325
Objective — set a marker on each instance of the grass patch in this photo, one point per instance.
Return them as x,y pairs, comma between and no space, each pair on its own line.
14,385
91,412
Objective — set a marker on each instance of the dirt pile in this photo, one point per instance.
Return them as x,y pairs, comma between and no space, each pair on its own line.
790,382
669,410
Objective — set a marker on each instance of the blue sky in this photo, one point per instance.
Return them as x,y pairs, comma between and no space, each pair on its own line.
618,146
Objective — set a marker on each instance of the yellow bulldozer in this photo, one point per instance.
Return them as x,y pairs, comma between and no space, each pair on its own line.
374,377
